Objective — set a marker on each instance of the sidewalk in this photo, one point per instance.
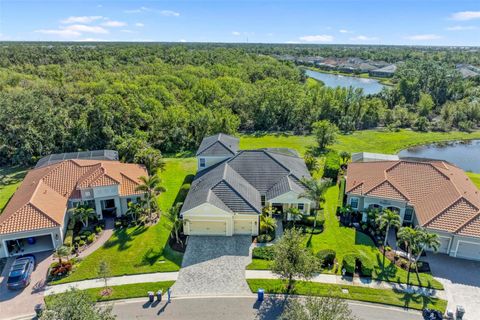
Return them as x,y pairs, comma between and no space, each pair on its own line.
114,281
356,281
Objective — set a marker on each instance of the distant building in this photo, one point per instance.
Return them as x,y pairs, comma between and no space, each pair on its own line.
468,71
370,157
385,72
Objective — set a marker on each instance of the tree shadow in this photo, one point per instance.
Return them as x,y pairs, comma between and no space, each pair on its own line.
408,298
271,308
386,273
123,238
150,257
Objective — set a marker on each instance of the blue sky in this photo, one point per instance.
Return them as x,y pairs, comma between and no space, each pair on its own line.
409,22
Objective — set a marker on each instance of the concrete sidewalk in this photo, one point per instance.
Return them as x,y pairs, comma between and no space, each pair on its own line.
114,281
356,281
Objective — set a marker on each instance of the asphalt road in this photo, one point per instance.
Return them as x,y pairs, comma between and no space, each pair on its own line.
236,308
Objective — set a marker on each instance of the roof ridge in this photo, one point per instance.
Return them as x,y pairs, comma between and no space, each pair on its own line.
41,211
355,187
278,162
238,193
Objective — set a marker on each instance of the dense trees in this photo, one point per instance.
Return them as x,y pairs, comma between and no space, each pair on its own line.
144,98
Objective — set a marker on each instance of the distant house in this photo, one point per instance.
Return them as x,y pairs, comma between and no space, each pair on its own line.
468,71
430,193
385,72
36,217
232,187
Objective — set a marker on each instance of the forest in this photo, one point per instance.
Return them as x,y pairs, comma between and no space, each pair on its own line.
66,97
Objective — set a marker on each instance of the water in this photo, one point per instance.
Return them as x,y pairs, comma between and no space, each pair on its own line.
464,154
369,86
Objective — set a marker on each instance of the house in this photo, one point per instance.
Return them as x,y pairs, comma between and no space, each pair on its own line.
232,187
385,72
430,193
36,217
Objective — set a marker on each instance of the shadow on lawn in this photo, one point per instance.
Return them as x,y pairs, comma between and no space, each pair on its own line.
409,298
122,237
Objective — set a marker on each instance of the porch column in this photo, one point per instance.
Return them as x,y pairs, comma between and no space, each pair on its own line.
98,208
118,206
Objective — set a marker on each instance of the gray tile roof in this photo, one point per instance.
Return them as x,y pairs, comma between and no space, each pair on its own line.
235,185
218,145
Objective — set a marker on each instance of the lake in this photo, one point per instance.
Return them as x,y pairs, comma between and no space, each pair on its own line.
369,86
464,154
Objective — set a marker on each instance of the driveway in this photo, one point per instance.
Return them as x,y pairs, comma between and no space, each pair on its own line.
461,279
214,266
14,304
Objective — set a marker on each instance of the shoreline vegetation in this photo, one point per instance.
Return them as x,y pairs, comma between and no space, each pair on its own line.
385,81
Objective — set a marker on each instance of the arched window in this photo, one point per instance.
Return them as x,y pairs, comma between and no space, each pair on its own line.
394,209
375,206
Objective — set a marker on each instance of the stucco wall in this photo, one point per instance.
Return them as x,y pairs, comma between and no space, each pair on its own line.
365,202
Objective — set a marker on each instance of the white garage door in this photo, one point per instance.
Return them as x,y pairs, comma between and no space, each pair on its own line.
243,227
444,242
201,228
468,250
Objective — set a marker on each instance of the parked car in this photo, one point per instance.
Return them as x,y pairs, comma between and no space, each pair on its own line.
20,272
430,314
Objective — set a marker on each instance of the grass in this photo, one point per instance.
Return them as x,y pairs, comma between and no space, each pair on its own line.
346,240
10,179
141,249
126,291
383,296
475,177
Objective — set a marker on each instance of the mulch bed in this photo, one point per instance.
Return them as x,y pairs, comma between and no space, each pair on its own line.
180,247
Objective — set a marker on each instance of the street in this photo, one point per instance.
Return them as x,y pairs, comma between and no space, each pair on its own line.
236,308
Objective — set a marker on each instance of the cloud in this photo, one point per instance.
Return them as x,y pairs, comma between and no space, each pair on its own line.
139,10
364,38
167,13
126,31
60,32
81,19
85,28
461,28
317,38
139,24
343,31
74,30
292,42
114,24
423,37
465,15
236,33
182,40
92,40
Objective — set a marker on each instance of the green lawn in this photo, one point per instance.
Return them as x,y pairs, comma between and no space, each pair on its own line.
346,240
389,297
127,291
10,179
475,177
139,249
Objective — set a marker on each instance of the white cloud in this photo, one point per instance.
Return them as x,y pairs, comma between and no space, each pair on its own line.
126,31
465,15
343,31
60,32
114,24
317,38
81,19
182,40
363,38
169,13
423,37
461,28
292,42
138,10
139,24
92,40
236,33
85,28
74,30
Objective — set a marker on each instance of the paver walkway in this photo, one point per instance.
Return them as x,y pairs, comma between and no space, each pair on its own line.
106,234
356,281
214,266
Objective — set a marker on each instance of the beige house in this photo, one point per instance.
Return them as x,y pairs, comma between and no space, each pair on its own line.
431,193
36,217
232,186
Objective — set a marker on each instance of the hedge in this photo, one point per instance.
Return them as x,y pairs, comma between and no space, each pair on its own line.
326,256
366,268
332,165
348,263
68,238
265,253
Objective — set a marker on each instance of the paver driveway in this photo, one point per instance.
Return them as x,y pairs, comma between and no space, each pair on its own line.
461,279
214,266
21,302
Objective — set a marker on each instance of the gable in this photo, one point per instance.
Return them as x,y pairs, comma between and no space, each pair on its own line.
386,190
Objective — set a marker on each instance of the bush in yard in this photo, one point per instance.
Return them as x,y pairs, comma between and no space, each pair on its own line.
68,238
366,268
86,233
348,263
263,238
332,165
327,257
98,229
90,238
265,253
71,224
308,220
182,193
81,243
77,239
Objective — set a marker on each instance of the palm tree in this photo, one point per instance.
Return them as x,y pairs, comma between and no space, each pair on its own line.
386,220
426,240
346,211
409,237
294,213
345,156
315,191
177,222
152,189
61,252
267,224
135,210
83,213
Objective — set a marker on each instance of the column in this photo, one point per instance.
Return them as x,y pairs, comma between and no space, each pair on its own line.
118,206
98,208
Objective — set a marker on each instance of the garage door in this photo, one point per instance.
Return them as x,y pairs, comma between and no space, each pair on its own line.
208,228
468,250
243,227
444,242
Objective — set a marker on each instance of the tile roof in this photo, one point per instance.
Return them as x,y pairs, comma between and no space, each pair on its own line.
444,198
41,200
218,145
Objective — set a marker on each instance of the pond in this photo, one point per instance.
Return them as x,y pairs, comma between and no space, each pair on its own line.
464,154
369,86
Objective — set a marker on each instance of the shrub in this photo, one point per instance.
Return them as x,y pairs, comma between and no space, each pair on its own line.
182,193
264,238
68,238
90,238
81,243
327,257
86,233
76,239
366,266
265,253
83,237
332,165
71,224
308,220
348,263
98,229
118,224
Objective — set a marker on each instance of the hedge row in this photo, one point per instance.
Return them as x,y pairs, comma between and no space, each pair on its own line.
265,253
332,165
366,265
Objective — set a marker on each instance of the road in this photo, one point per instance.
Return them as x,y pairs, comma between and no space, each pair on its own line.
240,308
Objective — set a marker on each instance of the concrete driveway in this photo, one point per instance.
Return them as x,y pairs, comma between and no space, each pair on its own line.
214,266
461,279
15,304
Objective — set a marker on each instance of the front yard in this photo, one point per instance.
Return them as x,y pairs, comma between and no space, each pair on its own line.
345,241
10,179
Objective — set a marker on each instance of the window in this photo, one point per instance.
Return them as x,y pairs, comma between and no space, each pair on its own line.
354,203
408,214
202,163
262,199
301,206
375,206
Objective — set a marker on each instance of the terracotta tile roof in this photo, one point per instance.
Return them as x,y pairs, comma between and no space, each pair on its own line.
41,200
444,198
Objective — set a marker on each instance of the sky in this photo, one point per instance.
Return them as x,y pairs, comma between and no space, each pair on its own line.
390,22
